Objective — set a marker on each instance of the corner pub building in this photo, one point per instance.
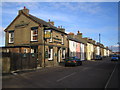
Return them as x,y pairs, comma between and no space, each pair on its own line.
29,34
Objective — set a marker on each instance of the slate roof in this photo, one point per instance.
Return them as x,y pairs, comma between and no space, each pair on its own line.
77,40
40,21
90,41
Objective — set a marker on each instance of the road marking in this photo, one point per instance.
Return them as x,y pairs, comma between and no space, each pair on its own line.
66,76
110,76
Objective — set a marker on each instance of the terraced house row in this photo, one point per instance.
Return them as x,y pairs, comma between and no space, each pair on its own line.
32,42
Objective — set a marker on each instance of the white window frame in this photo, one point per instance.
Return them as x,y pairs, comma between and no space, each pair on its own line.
32,35
32,50
50,51
11,37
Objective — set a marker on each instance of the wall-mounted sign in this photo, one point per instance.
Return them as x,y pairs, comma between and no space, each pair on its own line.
46,54
22,24
47,34
57,40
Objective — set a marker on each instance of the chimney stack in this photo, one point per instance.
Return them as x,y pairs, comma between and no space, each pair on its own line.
71,34
79,34
24,10
61,29
48,20
51,22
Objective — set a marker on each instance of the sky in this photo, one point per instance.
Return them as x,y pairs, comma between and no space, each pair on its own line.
90,18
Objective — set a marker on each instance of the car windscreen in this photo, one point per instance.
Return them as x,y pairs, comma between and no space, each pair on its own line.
115,56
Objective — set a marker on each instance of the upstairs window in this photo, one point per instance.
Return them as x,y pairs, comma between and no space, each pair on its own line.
11,37
34,34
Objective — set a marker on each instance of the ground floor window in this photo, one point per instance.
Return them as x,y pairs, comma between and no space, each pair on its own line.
25,50
50,53
63,53
32,50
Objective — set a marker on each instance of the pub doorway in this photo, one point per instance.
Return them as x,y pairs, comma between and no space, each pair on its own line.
34,50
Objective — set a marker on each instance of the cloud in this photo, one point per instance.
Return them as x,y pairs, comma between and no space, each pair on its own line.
30,5
1,31
91,30
60,1
77,6
2,36
114,48
55,16
72,21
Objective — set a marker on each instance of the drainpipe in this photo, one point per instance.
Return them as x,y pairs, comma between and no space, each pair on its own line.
44,46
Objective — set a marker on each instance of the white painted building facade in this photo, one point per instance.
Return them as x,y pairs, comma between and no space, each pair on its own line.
105,52
82,50
72,48
97,50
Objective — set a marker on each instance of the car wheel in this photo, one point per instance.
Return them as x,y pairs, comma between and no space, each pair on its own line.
66,65
80,63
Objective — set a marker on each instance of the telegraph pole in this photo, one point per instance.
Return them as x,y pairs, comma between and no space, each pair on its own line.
111,48
99,43
99,37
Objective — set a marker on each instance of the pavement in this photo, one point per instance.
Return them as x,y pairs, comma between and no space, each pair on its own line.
92,74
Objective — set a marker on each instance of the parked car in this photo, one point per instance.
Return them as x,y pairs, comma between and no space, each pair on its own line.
114,58
74,61
98,57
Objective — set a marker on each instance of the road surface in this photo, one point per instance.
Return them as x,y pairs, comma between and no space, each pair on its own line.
92,74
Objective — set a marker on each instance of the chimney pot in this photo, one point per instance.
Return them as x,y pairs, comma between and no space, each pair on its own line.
49,20
24,7
25,10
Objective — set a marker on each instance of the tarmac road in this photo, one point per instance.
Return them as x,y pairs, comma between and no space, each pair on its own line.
92,74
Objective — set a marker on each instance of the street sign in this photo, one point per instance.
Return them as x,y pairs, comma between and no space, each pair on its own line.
47,34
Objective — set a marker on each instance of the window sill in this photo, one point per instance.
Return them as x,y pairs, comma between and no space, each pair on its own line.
50,41
11,43
63,58
34,41
50,59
